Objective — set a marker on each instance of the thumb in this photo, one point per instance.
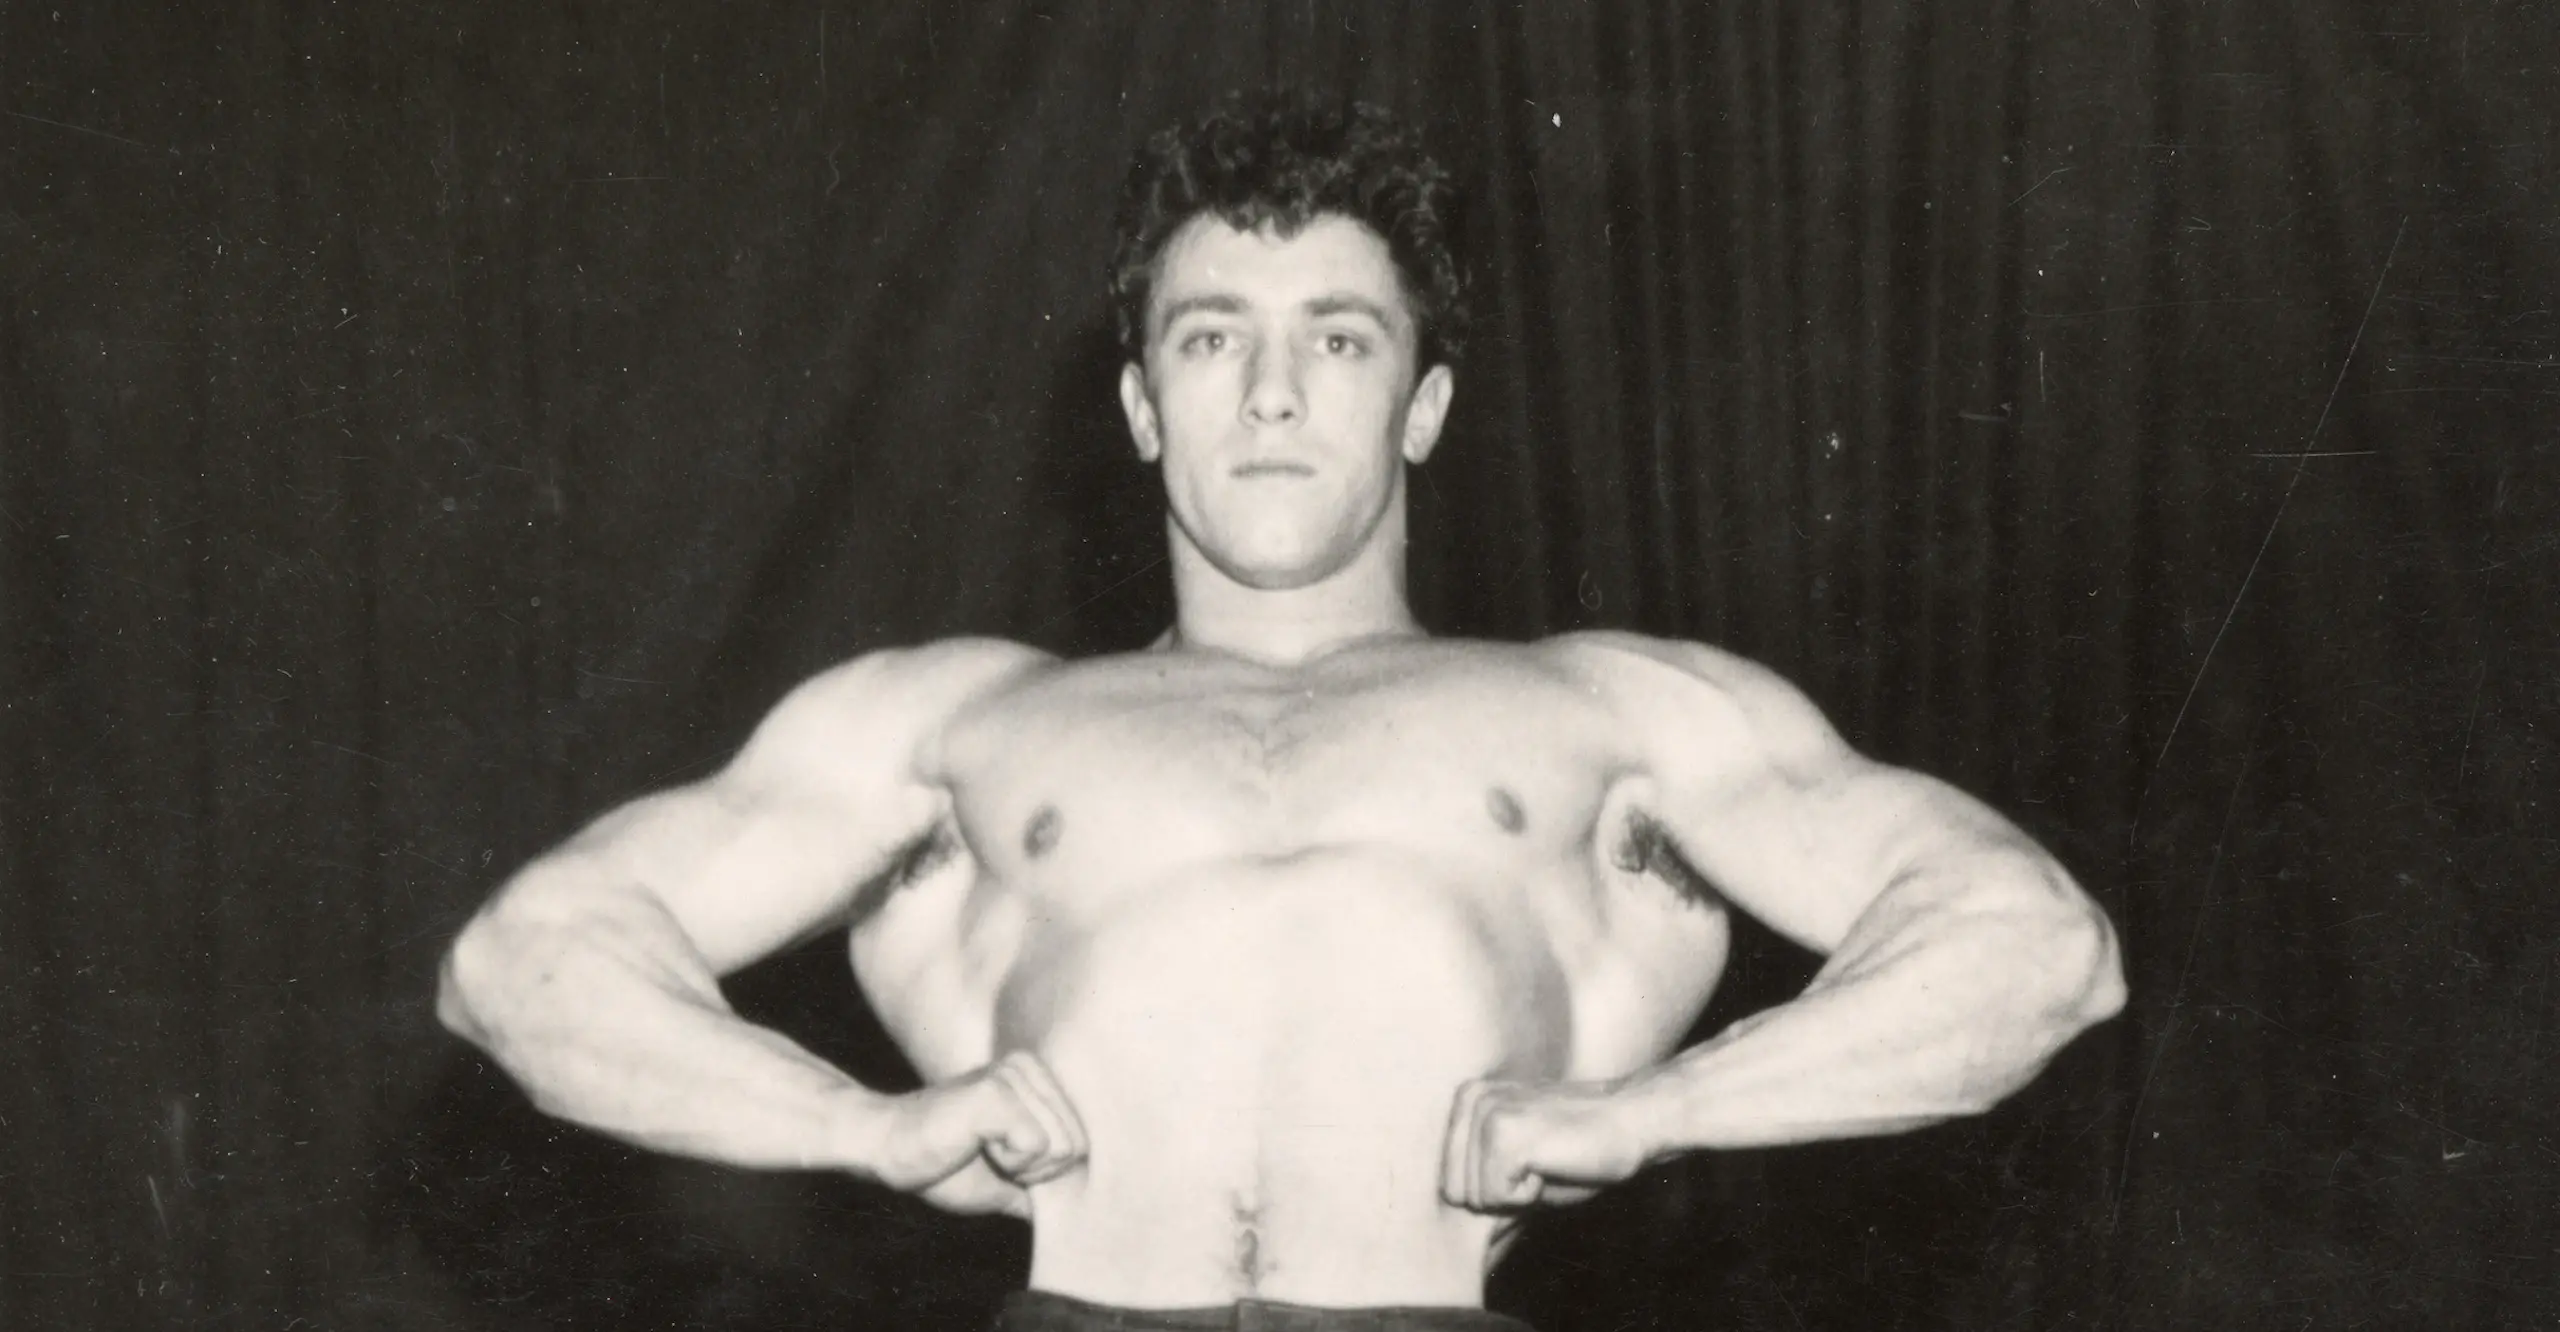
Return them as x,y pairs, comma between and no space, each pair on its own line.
1011,1134
1510,1143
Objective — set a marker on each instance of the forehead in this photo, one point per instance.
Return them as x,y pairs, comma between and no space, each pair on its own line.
1331,256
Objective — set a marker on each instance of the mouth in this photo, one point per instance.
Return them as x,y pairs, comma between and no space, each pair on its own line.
1269,467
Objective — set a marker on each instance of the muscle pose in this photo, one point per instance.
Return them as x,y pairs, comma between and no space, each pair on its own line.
1273,971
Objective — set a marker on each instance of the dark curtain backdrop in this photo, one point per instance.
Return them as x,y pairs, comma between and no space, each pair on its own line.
422,426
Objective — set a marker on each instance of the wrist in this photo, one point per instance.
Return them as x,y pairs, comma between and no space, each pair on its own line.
1652,1115
852,1129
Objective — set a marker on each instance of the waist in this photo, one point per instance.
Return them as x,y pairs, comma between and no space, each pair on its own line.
1265,1058
1046,1311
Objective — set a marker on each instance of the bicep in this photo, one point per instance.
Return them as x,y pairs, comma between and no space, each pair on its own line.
777,845
1794,825
1808,850
742,871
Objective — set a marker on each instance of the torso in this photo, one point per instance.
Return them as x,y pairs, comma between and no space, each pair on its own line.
1262,923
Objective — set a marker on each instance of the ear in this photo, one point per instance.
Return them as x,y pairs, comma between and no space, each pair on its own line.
1141,411
1426,412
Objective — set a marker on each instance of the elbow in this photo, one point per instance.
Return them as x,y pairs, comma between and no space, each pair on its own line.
2056,961
2066,950
496,971
2075,982
462,983
480,984
2108,998
2087,969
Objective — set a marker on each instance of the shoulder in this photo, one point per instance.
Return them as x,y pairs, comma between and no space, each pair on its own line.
883,709
1693,695
956,669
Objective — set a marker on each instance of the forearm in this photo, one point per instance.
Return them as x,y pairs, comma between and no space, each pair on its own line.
1949,993
598,1005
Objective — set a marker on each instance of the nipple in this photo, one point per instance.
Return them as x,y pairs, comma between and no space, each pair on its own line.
1042,832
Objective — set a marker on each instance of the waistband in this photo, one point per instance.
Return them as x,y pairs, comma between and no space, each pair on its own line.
1047,1311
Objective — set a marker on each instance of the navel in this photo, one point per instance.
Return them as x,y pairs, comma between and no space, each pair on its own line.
1251,1267
1505,809
1041,834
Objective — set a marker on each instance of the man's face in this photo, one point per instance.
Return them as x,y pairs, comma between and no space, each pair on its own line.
1279,394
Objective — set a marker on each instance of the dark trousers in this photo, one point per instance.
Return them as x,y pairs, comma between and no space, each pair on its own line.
1040,1311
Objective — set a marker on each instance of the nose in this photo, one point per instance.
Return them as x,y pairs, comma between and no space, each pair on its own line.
1273,398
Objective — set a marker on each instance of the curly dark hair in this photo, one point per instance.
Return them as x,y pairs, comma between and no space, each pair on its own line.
1281,159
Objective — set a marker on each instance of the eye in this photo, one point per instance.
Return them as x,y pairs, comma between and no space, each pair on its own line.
1205,342
1344,344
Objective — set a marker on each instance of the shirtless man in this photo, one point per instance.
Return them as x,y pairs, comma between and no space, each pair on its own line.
1274,971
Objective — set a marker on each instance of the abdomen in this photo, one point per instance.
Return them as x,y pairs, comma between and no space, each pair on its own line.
1264,1058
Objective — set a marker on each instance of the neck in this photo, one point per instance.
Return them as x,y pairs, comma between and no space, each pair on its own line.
1364,599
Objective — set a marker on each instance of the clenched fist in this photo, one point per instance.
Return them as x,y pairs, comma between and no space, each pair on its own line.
1516,1144
976,1143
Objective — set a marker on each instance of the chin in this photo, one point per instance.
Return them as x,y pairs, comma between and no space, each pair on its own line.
1276,577
1279,570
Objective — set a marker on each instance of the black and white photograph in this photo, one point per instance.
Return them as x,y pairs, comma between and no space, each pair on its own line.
1279,666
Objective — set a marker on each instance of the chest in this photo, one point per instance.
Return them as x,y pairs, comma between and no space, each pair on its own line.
1132,769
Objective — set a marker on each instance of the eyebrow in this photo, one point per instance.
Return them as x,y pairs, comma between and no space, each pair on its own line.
1212,303
1332,303
1347,303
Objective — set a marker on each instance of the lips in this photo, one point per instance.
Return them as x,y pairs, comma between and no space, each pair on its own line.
1263,467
